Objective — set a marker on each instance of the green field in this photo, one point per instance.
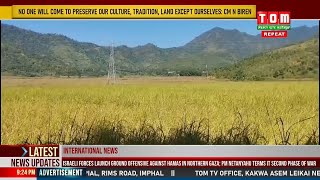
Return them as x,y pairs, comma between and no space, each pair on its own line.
158,111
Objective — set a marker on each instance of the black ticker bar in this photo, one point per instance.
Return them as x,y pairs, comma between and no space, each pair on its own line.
202,172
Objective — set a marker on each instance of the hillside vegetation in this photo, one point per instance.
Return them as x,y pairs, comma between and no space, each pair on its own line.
300,60
28,53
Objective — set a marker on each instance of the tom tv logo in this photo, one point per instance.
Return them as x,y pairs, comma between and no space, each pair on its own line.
273,23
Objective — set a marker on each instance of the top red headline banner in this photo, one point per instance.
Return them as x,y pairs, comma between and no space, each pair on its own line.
299,9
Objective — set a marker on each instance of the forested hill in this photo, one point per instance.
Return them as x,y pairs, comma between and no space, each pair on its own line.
28,53
300,60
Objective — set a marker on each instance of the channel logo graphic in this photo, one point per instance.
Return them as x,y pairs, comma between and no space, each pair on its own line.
273,24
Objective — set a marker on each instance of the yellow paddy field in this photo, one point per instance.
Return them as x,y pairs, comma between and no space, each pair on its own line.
40,110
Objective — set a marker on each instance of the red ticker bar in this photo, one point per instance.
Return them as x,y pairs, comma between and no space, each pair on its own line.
18,172
190,162
29,151
299,9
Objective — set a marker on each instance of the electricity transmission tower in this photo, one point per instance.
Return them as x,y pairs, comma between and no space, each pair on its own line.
111,69
207,71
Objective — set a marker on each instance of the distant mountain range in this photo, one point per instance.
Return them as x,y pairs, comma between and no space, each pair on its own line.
27,53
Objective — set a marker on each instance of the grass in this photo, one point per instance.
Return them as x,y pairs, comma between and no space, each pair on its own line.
158,111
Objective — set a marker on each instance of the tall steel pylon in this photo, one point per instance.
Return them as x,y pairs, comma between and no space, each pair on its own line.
111,69
207,73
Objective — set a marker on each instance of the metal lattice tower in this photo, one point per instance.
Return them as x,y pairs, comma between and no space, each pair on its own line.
111,69
207,73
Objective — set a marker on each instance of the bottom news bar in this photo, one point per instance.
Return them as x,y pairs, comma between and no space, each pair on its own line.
165,172
201,172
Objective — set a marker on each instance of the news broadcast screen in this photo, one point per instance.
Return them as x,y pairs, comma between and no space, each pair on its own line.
161,89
